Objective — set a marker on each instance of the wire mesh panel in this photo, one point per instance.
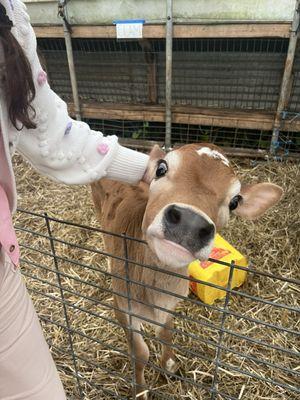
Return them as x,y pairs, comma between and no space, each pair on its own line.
242,347
226,137
288,143
228,73
107,70
54,57
225,75
149,133
124,129
110,71
222,73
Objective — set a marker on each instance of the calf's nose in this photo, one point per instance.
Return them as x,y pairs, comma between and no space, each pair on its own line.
187,228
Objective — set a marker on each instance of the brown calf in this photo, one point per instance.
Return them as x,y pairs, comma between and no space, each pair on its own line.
187,198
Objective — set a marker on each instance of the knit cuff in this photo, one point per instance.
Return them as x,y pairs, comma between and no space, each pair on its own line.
128,166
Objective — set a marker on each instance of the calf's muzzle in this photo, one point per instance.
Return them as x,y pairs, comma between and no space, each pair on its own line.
188,228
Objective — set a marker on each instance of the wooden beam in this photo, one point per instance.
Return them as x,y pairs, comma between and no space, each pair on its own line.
49,31
121,112
237,30
231,30
223,118
184,115
147,145
151,61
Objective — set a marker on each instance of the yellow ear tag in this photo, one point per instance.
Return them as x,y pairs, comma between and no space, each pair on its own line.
216,273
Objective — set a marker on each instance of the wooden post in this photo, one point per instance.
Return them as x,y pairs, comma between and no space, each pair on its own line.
286,84
169,49
150,58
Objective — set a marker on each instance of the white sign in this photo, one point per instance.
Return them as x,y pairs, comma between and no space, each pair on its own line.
131,29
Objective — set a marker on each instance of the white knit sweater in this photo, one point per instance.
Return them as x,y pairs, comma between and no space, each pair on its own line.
60,148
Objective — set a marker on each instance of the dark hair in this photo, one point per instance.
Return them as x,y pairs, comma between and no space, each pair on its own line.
19,85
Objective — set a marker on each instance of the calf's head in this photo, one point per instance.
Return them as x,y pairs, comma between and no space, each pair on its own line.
192,192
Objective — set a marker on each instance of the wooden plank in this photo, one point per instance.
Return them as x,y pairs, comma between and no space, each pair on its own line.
233,121
49,31
151,61
102,31
120,112
237,30
152,80
139,143
233,30
184,115
147,145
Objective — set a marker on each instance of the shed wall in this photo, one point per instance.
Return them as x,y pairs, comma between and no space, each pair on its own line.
95,12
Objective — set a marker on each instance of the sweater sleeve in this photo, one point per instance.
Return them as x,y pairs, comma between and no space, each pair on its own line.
61,148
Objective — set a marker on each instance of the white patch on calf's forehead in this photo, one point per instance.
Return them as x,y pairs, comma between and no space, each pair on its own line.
173,160
214,154
234,189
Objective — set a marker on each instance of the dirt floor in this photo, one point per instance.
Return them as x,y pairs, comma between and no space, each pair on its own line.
247,368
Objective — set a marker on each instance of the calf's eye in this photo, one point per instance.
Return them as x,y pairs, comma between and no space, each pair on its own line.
234,202
162,168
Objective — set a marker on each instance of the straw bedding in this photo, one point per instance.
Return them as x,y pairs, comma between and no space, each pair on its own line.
271,244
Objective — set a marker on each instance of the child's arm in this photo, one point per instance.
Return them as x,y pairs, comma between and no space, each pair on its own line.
61,148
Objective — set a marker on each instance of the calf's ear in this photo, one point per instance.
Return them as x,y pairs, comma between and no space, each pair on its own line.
257,199
156,154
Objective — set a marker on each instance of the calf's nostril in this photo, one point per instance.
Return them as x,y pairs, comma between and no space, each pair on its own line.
206,231
173,215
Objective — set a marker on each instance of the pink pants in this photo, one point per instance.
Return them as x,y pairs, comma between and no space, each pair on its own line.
27,370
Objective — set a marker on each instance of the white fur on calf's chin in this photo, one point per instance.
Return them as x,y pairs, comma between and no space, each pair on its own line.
168,254
174,255
204,253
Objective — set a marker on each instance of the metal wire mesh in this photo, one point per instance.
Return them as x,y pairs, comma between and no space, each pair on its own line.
222,73
208,74
107,70
143,134
141,130
228,73
71,287
54,60
288,142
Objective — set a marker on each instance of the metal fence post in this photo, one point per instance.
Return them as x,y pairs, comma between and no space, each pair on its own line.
285,89
64,305
130,325
214,389
169,49
68,41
